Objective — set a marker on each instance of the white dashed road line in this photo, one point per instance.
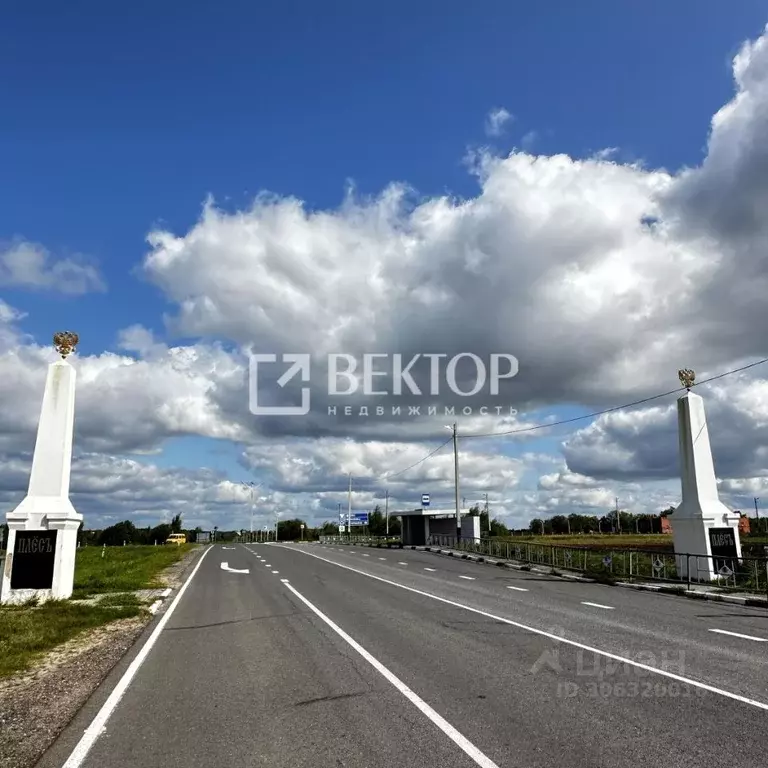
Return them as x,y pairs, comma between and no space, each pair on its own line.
402,563
736,634
382,558
275,571
430,569
519,589
597,605
468,578
762,705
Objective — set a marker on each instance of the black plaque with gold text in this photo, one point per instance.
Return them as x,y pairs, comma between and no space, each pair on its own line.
33,558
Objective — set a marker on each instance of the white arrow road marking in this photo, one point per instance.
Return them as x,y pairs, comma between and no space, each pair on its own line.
736,634
225,567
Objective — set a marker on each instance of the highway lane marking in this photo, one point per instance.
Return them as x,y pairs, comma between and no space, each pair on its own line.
737,634
402,563
153,608
430,569
285,581
468,578
225,567
598,605
543,633
365,555
461,741
382,558
98,724
275,571
519,589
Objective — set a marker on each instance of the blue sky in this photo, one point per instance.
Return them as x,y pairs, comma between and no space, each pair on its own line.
122,117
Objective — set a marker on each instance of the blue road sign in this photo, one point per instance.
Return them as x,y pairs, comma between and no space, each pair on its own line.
424,499
359,518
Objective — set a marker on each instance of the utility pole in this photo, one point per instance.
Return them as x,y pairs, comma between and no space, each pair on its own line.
349,507
757,511
487,515
618,515
386,509
456,480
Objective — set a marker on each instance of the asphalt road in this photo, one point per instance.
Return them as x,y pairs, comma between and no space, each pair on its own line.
366,658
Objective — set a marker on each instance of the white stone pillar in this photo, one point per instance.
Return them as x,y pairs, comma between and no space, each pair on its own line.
701,509
46,509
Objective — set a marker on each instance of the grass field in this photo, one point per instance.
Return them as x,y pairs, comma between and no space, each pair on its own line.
123,569
654,541
604,540
27,632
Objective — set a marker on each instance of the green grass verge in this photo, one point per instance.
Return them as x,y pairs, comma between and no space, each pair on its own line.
123,569
27,633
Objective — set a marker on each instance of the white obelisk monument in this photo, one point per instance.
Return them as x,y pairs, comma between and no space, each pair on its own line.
42,530
702,525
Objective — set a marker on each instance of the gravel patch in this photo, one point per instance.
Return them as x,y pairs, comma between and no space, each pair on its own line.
36,706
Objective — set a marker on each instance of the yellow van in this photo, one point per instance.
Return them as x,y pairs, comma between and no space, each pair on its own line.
177,539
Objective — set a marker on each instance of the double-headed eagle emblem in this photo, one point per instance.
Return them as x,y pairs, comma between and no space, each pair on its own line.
687,377
65,343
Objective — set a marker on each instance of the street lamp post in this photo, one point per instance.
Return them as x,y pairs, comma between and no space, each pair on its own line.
252,487
454,430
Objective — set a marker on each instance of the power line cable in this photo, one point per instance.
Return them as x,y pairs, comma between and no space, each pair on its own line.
420,461
616,407
578,418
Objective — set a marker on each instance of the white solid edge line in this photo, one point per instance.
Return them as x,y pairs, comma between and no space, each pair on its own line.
467,746
598,605
468,578
737,634
519,589
94,730
153,608
543,633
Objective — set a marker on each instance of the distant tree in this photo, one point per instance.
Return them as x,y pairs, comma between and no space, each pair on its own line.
115,535
290,530
159,533
537,525
377,524
176,523
329,528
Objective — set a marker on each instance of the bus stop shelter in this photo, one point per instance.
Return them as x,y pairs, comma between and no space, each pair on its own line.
419,524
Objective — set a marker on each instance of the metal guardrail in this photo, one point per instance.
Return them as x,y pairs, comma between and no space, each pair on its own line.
747,574
359,539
